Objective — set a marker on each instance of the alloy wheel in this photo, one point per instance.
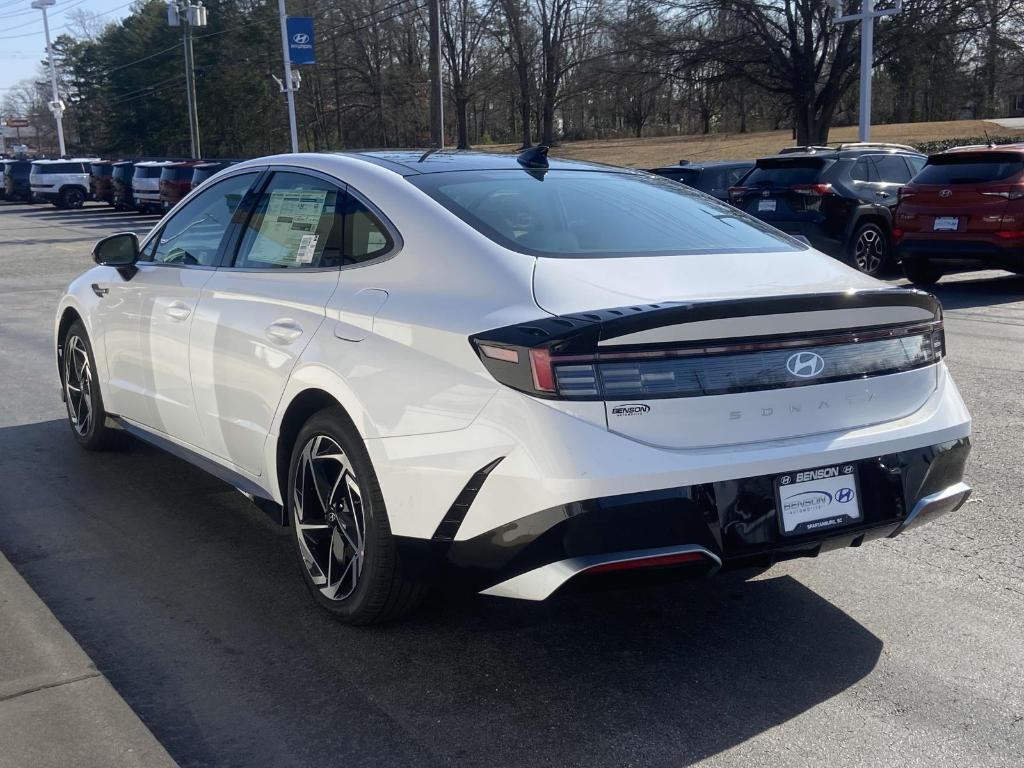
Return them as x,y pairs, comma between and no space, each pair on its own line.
330,521
869,253
78,385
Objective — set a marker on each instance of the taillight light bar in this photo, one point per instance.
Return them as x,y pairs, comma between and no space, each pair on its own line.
711,368
812,189
1011,193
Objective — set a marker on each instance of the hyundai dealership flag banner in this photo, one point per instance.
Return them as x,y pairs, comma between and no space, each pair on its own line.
300,40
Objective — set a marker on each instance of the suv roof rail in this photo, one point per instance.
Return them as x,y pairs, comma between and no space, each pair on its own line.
875,145
811,148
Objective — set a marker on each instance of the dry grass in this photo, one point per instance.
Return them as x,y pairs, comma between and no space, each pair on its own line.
653,152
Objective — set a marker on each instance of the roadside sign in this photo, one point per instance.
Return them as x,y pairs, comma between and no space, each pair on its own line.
300,40
16,122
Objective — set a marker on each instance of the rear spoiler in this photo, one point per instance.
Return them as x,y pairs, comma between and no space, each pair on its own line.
514,354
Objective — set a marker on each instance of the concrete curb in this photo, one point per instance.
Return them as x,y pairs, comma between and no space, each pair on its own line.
56,708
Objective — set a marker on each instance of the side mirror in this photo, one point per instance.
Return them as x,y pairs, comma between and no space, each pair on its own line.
120,250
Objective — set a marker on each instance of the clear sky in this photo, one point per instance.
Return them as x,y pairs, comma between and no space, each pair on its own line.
22,44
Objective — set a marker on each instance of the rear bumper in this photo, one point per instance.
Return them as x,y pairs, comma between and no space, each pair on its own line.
985,252
693,530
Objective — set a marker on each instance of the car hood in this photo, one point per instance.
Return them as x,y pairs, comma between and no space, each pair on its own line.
564,286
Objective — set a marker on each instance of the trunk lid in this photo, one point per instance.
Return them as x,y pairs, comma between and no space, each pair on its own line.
757,348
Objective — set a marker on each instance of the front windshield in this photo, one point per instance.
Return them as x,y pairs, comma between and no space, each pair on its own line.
587,214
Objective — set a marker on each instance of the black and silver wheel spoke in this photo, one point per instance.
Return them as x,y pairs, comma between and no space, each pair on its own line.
870,251
78,385
329,519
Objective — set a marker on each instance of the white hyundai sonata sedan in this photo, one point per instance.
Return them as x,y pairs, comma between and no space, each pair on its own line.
512,372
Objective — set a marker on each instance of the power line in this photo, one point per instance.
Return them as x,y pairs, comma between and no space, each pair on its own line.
58,29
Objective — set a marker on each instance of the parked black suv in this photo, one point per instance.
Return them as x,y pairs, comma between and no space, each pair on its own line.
839,198
15,179
713,178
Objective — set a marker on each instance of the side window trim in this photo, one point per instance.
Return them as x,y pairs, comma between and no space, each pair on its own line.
152,240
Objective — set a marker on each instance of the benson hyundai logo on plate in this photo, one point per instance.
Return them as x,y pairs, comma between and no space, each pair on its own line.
815,499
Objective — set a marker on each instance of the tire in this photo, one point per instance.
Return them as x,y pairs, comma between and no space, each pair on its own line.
869,249
921,271
341,523
72,197
82,397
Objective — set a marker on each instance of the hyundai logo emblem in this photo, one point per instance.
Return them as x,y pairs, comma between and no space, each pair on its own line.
946,193
844,495
300,38
805,365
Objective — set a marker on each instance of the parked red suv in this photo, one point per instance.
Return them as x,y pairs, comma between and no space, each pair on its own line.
964,209
176,182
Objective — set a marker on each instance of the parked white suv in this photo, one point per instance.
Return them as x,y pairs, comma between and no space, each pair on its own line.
146,185
65,183
516,372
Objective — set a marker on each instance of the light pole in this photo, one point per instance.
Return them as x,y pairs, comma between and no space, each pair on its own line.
866,17
56,106
288,84
187,15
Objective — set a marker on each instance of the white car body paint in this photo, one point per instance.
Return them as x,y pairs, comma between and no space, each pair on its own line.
389,342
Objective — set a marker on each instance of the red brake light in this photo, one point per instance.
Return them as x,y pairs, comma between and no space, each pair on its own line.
897,233
1011,234
1011,193
543,374
812,189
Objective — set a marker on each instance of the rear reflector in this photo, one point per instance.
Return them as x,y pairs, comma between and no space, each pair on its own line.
660,561
1011,234
505,354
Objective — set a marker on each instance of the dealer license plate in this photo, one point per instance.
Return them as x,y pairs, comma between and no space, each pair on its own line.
946,224
766,205
814,500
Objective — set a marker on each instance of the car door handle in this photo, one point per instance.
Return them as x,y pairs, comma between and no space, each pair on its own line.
283,331
178,310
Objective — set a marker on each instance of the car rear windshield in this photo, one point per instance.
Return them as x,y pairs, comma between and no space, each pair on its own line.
101,169
970,168
148,171
785,172
176,174
123,172
587,214
48,168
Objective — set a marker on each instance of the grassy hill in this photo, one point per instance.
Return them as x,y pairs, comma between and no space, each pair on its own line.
652,152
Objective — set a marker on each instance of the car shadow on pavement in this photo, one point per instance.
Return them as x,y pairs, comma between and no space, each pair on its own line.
190,601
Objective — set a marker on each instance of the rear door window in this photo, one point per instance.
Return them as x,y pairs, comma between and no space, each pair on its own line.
971,168
892,169
296,223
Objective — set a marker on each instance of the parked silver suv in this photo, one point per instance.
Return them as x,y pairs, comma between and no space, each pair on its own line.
65,183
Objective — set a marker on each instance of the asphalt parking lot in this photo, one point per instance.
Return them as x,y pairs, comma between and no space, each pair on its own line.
907,652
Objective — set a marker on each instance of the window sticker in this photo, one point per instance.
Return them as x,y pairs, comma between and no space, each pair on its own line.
307,249
287,235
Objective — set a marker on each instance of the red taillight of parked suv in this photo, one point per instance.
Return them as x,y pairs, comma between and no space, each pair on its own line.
175,183
965,208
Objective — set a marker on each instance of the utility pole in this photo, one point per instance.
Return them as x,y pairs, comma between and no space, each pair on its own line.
436,96
187,16
866,18
56,106
288,84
